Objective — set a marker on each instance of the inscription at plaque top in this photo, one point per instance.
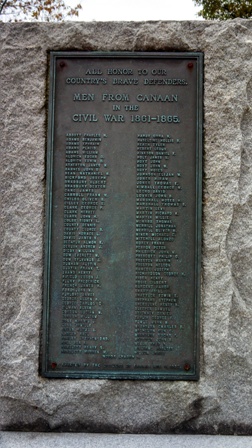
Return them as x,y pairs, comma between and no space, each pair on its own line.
121,293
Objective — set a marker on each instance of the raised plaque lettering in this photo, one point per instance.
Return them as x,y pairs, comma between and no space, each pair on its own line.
121,296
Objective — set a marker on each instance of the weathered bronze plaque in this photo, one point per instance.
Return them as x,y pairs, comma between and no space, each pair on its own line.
123,216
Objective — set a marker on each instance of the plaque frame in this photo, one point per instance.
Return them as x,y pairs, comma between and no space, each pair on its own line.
187,373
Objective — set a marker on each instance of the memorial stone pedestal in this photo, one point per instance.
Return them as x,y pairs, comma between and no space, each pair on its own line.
219,399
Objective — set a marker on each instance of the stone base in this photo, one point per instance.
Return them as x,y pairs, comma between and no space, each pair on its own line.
66,440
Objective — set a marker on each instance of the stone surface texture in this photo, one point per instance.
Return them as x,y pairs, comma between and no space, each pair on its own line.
221,402
65,440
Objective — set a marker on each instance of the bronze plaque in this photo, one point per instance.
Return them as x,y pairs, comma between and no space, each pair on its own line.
123,219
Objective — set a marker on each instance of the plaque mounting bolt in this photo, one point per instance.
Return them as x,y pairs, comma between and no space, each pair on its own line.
54,365
190,65
187,367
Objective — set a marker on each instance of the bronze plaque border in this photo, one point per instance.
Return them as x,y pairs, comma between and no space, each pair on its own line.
187,374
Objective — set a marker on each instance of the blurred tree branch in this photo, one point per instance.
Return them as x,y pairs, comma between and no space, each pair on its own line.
225,9
37,10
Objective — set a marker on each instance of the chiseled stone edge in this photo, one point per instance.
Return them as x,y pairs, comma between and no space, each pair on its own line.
64,440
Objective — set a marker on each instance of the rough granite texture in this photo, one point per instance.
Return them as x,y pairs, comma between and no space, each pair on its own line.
221,402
